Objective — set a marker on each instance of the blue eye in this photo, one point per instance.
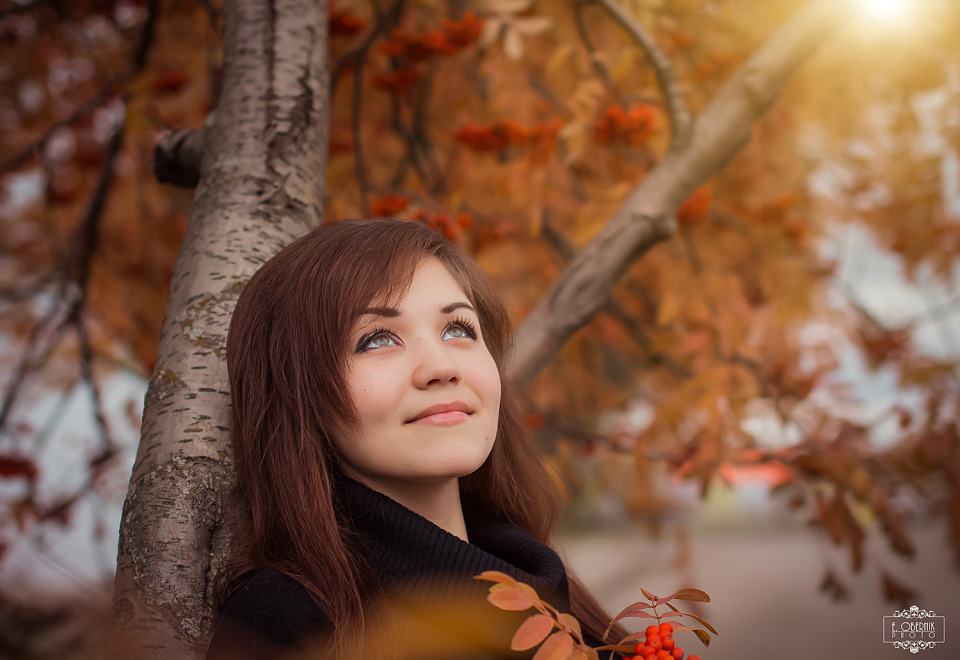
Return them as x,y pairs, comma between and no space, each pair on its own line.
460,329
377,339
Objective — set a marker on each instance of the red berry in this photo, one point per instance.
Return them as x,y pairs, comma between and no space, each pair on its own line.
678,653
664,655
668,643
666,628
693,657
652,630
638,648
648,652
654,642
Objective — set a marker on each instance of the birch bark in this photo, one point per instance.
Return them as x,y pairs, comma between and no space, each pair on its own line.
261,185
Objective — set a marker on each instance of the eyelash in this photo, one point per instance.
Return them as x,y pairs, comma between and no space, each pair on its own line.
464,323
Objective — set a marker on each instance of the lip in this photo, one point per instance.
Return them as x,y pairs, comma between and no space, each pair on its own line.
452,412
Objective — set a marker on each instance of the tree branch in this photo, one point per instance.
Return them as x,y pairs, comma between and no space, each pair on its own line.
680,117
647,216
65,311
598,66
108,91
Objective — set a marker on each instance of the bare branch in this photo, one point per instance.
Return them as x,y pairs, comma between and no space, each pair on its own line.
647,216
44,339
109,90
49,331
356,116
385,21
680,117
413,158
598,66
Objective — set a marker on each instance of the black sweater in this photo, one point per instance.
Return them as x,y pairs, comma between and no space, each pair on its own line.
269,613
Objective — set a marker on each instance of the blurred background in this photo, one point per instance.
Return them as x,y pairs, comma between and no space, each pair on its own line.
766,409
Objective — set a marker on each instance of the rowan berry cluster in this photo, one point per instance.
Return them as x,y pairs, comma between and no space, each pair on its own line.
343,23
540,139
659,645
447,225
453,37
631,127
398,206
696,206
409,49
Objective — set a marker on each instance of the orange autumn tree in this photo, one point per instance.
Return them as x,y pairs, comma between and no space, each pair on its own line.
655,238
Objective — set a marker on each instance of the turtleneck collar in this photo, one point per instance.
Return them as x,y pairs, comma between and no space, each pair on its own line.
407,551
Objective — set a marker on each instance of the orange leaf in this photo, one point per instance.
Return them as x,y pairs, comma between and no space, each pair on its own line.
580,654
531,632
701,620
559,646
511,599
498,577
572,623
686,594
634,611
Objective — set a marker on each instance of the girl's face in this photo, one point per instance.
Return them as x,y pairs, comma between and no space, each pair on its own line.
424,384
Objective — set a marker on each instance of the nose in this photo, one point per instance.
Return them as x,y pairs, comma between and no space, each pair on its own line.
434,365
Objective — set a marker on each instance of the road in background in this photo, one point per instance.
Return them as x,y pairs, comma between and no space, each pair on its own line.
763,576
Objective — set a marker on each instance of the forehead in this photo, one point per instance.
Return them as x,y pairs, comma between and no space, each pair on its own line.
430,283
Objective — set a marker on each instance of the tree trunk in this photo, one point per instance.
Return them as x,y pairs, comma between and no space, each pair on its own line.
261,185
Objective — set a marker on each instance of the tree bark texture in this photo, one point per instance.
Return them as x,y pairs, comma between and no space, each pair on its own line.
261,185
647,217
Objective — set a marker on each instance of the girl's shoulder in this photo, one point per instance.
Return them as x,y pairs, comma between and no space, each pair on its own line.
266,612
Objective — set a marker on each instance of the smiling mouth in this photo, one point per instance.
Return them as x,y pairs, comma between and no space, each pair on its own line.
443,413
442,418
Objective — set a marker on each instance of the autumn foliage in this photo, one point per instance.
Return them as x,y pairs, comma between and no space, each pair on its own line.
518,128
559,636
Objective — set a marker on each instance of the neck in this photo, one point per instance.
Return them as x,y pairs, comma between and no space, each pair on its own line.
437,501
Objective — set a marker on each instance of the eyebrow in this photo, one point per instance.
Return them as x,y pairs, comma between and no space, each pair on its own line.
392,312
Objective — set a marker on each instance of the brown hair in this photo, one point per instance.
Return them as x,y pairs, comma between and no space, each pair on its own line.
287,360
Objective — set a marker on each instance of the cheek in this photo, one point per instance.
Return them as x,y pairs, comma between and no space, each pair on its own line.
488,377
372,397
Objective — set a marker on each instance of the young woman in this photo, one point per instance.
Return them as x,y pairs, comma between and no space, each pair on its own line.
381,456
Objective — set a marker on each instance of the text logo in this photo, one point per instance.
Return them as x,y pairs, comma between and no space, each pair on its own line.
914,629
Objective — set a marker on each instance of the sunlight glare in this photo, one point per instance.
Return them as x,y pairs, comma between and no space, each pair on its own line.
887,10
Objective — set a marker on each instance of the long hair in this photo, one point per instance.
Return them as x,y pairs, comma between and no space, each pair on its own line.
287,362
